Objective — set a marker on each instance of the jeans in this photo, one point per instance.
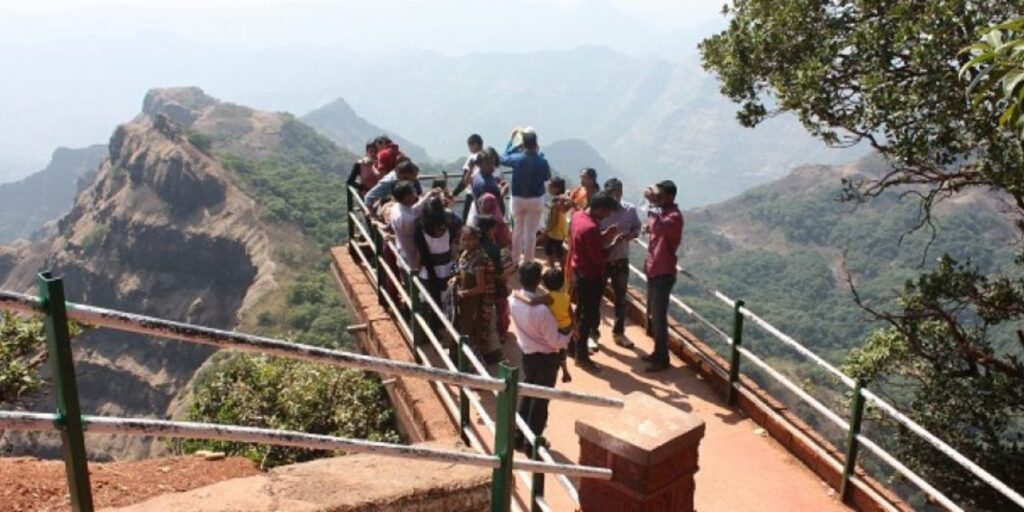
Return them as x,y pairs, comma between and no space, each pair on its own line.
526,213
618,273
659,289
542,370
588,312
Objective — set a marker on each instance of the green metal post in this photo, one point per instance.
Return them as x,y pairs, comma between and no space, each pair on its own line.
734,361
415,309
463,364
378,262
537,488
69,413
501,480
852,444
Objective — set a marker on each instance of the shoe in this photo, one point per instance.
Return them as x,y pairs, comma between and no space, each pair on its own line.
657,367
621,341
588,366
592,345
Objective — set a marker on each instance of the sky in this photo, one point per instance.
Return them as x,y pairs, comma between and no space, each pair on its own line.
447,26
72,69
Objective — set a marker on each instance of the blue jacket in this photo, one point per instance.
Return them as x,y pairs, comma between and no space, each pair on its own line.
530,171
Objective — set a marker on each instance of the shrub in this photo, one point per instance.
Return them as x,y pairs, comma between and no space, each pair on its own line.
259,391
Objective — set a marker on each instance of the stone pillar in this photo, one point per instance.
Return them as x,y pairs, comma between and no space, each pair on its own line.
650,446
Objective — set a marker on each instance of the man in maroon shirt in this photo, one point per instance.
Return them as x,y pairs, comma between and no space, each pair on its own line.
665,226
387,154
588,262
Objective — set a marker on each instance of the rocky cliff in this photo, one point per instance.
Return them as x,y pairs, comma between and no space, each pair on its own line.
165,229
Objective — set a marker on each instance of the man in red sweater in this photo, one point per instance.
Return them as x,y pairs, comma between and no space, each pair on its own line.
387,154
588,262
665,226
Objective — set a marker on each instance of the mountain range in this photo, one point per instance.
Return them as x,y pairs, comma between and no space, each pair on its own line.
650,116
27,204
338,122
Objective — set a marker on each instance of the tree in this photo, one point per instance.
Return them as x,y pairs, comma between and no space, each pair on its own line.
997,64
888,74
22,352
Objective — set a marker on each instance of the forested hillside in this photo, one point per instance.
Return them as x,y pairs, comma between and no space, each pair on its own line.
787,248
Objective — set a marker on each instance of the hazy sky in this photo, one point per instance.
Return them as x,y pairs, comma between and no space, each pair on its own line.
450,26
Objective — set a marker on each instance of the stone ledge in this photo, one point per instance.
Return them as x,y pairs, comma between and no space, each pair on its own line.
352,483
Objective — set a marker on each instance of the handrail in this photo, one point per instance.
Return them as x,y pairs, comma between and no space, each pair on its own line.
850,383
472,359
41,422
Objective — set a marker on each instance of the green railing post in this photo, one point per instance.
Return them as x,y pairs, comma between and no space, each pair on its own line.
537,487
69,413
501,480
734,361
852,444
463,364
415,309
378,262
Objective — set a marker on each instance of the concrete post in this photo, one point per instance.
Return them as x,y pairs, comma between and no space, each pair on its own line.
652,449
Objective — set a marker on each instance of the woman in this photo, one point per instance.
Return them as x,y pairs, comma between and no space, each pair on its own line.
580,196
364,174
434,240
501,258
490,207
476,296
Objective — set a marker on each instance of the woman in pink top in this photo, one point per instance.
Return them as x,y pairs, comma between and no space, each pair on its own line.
490,206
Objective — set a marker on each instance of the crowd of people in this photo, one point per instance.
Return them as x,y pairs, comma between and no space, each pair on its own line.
468,260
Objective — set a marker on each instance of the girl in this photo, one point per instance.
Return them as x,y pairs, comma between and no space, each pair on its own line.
364,174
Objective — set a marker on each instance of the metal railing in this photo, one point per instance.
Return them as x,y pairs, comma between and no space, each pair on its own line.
72,424
412,293
861,396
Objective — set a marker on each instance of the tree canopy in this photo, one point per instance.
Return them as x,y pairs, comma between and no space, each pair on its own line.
895,75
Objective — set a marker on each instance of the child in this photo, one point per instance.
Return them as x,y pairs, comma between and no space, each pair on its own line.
557,226
557,300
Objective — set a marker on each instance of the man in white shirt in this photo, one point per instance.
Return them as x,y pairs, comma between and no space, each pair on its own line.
405,210
540,342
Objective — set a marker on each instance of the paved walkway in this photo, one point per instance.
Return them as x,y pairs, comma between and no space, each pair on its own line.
739,469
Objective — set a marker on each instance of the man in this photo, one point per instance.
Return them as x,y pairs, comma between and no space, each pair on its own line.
387,154
475,144
485,182
627,223
405,171
588,263
405,211
665,226
540,342
530,171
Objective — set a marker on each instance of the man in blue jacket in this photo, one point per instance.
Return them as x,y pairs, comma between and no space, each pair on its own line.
530,172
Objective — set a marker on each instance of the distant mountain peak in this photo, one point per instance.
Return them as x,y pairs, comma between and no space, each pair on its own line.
182,104
340,122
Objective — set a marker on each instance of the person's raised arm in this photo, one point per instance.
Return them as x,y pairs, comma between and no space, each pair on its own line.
377,193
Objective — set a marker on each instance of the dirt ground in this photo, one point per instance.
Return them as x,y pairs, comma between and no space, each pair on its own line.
28,484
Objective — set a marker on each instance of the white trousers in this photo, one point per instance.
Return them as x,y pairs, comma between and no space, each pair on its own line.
526,213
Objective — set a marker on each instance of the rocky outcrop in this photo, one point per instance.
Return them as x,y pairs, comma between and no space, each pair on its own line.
163,230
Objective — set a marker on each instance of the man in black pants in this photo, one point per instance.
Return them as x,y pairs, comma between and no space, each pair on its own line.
589,252
665,227
540,342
